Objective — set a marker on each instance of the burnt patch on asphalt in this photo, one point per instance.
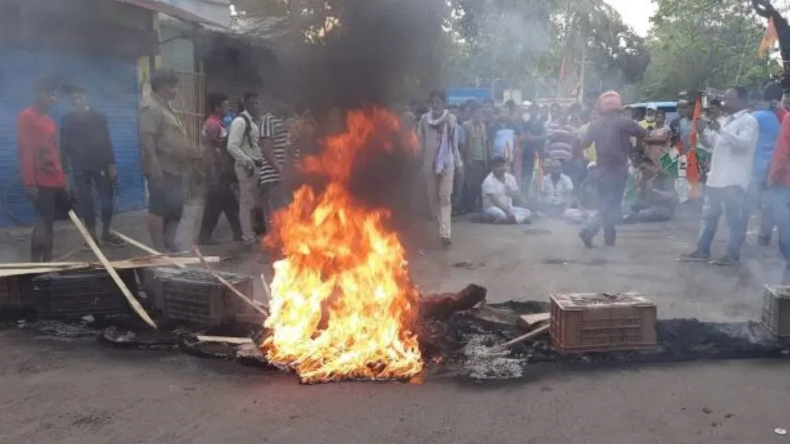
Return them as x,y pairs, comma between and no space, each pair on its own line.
469,265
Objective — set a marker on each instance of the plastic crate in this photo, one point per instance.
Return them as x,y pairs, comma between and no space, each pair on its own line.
601,322
776,310
76,294
196,296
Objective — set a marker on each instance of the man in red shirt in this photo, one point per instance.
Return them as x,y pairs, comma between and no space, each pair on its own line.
42,172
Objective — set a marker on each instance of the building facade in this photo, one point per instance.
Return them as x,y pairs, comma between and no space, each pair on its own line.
94,44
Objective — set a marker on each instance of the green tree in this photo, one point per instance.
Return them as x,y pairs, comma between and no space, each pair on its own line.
698,44
524,42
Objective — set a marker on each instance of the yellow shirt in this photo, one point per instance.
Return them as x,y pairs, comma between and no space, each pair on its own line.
589,153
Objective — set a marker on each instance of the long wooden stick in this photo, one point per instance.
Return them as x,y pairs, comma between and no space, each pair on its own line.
69,254
224,282
146,248
534,333
140,262
113,274
21,265
225,340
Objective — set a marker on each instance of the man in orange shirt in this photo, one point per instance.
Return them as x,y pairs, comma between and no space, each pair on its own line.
42,172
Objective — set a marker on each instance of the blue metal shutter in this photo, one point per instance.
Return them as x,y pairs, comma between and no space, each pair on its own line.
112,88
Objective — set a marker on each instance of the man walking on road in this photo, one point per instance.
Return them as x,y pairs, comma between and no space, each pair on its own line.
86,149
244,145
220,172
438,136
166,154
611,134
733,147
42,172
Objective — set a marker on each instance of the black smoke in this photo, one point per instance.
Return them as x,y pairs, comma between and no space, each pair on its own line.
381,52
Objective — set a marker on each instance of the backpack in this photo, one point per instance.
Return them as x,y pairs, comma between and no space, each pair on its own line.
247,129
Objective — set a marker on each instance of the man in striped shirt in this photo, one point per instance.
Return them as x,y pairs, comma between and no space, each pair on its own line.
274,146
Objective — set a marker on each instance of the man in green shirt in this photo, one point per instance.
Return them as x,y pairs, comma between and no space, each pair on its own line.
475,154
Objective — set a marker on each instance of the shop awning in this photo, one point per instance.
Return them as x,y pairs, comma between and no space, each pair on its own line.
172,11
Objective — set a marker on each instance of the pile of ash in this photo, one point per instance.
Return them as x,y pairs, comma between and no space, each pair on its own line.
471,344
465,344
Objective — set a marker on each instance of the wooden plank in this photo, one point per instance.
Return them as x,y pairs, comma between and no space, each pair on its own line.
25,271
113,274
144,262
146,248
531,321
225,340
533,334
22,265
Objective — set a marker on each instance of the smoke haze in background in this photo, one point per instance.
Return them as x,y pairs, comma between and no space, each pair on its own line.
380,47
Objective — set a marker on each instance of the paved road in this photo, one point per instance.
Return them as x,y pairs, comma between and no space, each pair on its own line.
80,392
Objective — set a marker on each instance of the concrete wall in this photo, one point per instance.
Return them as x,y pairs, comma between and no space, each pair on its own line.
177,53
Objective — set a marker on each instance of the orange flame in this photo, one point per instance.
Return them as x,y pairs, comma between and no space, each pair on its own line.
342,303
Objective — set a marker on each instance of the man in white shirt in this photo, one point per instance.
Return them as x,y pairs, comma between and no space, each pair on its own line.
556,190
733,145
499,189
244,145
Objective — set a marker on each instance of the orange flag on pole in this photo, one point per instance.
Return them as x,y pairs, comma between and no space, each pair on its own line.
769,39
692,166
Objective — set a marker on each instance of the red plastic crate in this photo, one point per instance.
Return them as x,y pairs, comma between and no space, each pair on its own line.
601,322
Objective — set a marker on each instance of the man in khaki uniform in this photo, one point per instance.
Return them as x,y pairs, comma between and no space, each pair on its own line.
166,151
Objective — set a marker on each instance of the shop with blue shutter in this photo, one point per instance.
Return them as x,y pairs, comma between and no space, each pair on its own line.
94,44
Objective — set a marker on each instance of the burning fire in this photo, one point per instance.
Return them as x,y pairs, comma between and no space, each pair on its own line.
342,303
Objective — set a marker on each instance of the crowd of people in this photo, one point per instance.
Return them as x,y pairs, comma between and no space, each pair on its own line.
507,164
510,164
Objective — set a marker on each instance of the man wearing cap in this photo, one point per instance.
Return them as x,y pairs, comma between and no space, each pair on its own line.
612,135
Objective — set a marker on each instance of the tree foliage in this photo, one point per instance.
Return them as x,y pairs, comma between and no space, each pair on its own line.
698,44
528,41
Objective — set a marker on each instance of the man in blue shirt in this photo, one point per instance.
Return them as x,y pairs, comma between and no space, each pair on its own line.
766,140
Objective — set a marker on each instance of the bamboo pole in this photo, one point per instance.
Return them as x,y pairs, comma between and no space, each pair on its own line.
21,265
113,274
224,340
534,333
146,248
233,289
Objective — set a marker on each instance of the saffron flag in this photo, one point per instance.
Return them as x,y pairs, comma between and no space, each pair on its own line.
769,39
